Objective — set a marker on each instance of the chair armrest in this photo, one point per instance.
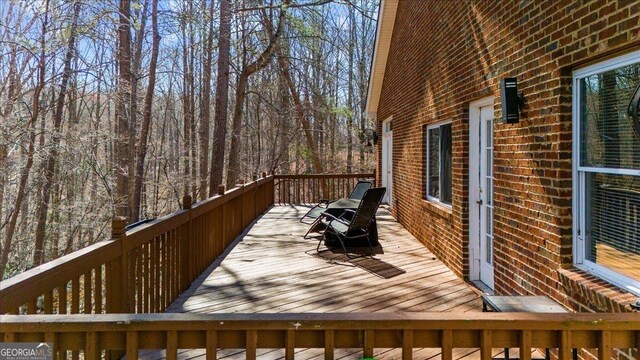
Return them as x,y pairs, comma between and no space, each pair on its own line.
334,218
345,212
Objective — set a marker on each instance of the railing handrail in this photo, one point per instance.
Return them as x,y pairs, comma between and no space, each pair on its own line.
32,283
127,334
323,176
301,321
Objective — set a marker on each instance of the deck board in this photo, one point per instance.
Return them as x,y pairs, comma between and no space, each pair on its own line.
272,269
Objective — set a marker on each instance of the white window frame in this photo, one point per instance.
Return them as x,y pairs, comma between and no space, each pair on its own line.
427,173
579,178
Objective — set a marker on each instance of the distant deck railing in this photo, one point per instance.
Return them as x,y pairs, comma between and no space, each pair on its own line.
95,336
308,189
141,270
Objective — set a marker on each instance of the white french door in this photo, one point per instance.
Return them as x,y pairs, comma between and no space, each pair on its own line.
481,192
387,163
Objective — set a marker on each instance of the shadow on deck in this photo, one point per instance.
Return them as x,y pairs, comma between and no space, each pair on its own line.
272,269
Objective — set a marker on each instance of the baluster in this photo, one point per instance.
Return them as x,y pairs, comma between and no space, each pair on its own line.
212,344
252,344
329,344
369,337
604,345
172,345
447,344
86,302
525,345
48,302
75,296
97,290
62,299
148,277
290,345
407,344
52,338
91,346
485,344
138,278
565,345
32,307
165,271
132,345
156,275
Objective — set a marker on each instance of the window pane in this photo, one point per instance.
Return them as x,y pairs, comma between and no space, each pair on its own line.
607,137
445,163
613,222
434,162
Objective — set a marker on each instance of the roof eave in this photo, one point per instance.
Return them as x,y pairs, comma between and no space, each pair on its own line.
384,32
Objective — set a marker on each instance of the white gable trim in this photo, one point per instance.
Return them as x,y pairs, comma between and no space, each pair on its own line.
384,32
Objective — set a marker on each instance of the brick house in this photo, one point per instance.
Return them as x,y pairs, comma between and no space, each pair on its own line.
548,205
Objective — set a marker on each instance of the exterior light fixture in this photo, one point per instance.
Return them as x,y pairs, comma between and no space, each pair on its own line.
512,102
634,111
369,135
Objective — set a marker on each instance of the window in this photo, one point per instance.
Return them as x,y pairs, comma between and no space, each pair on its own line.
438,163
607,172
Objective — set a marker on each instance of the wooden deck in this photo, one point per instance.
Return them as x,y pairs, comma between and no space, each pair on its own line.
272,269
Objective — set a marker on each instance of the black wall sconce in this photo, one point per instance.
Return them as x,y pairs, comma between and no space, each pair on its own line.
512,101
369,135
634,114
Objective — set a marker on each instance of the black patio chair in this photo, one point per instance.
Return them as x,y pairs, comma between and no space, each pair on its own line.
352,226
357,193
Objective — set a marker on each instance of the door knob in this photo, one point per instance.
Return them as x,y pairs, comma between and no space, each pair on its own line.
479,202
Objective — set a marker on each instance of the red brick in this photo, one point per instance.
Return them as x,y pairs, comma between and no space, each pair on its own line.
446,54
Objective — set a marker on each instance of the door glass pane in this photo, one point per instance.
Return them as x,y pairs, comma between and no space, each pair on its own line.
489,218
613,222
489,191
489,244
489,129
607,135
489,158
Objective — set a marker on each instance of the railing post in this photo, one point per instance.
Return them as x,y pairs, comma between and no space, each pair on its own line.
225,209
188,267
118,298
264,193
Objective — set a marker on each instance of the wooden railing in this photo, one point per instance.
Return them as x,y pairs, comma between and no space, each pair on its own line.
308,189
141,270
96,334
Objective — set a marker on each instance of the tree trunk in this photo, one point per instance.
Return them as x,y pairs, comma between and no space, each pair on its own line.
283,64
205,111
52,158
222,98
24,174
122,111
352,38
234,167
146,117
241,92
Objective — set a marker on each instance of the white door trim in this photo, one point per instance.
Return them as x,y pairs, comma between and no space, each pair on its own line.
386,175
474,181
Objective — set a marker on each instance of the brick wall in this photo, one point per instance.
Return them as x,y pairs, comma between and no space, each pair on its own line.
445,54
